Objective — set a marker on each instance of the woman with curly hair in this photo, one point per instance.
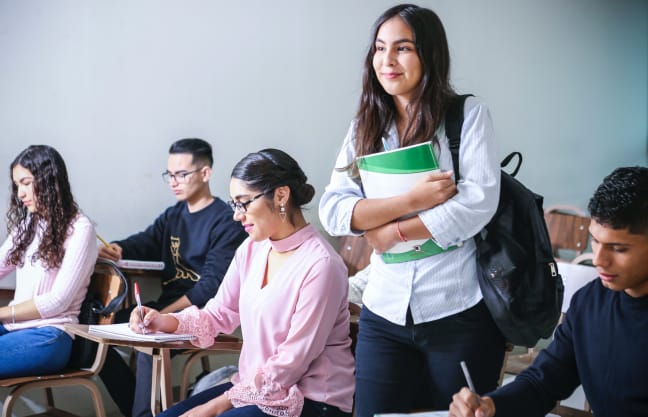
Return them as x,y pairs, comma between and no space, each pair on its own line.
52,247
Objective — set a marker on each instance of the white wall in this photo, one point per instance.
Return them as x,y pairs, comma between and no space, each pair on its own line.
111,84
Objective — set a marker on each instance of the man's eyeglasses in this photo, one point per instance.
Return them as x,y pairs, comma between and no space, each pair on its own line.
241,206
180,177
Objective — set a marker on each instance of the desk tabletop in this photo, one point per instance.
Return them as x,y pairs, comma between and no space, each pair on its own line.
222,342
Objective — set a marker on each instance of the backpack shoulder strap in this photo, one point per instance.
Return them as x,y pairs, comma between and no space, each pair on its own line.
453,124
117,301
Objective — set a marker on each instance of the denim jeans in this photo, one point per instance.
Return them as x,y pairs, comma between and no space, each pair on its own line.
311,408
400,369
36,351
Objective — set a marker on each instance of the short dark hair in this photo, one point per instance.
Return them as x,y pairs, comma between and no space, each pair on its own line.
268,169
621,201
200,150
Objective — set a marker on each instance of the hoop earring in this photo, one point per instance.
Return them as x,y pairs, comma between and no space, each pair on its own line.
282,212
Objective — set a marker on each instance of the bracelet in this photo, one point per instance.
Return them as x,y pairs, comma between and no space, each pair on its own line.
13,315
401,236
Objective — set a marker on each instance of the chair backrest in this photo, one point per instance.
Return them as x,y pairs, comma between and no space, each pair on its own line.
106,287
568,229
106,294
355,252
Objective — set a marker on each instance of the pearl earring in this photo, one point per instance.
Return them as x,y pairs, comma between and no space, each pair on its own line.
282,212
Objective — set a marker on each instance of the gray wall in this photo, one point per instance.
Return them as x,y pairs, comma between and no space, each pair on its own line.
111,84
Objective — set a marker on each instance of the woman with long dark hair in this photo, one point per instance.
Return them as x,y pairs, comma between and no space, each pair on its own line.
423,311
52,247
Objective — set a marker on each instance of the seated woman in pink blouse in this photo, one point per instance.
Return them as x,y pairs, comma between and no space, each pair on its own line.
287,289
53,249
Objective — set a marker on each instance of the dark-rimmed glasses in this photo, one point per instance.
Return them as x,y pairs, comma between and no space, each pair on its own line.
180,177
241,206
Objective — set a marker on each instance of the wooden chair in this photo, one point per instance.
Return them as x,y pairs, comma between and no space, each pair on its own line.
355,251
203,356
106,281
568,231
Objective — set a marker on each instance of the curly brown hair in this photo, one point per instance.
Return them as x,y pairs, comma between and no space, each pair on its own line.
55,207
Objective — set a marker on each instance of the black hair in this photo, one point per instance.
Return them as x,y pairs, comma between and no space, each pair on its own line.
621,201
55,207
268,169
200,150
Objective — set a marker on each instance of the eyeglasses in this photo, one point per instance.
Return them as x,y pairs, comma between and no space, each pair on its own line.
180,177
242,206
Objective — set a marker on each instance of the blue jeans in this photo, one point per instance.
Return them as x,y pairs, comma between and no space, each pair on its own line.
311,408
400,369
36,351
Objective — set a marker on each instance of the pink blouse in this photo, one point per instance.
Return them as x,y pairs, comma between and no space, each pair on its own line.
57,293
295,329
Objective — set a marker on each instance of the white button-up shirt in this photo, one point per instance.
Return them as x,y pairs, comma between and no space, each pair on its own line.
444,284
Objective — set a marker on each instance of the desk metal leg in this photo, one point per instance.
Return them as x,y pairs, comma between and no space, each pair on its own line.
161,381
155,382
166,391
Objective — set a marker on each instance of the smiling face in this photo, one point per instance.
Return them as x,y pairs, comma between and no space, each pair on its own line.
258,220
24,181
396,62
620,259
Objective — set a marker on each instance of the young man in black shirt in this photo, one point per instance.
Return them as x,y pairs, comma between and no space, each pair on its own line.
196,239
602,341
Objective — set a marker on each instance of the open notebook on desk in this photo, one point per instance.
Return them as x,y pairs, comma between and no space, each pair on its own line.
136,264
122,331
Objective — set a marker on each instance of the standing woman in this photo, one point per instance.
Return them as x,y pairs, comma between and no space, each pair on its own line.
287,289
421,317
52,247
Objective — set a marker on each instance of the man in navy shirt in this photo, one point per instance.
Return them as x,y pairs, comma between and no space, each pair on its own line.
602,342
196,239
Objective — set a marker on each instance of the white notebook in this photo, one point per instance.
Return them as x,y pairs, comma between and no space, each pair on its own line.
122,331
135,264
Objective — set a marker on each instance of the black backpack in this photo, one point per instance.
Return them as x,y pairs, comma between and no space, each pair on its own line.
518,275
92,309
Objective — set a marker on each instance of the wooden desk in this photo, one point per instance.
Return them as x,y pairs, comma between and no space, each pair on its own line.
6,293
161,377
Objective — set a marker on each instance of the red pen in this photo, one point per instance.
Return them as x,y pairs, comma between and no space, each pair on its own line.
139,307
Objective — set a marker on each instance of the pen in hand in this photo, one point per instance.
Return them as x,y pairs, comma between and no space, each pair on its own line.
139,307
105,243
471,386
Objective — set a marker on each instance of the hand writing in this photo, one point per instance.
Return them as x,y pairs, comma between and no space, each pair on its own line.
465,403
112,252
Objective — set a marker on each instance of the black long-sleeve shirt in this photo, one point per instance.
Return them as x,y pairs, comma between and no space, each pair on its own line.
603,345
196,249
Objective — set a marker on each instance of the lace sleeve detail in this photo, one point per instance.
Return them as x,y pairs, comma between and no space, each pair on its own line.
195,322
269,396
